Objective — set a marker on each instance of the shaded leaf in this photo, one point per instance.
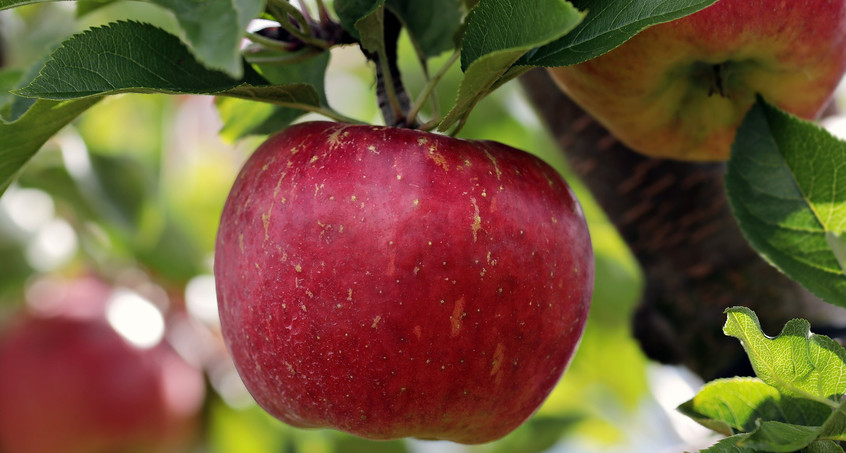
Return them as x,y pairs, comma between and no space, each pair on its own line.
730,445
134,57
786,184
430,23
824,446
21,139
351,11
243,118
729,406
780,437
521,25
796,362
608,24
214,28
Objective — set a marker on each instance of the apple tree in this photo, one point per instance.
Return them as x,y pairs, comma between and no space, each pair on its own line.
396,306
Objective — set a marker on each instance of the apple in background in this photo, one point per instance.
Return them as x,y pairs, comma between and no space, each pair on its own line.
70,383
395,283
680,89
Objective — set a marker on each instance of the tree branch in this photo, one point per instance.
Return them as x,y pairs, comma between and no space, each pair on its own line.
675,218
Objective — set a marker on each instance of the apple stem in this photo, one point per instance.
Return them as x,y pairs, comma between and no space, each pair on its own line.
716,80
429,89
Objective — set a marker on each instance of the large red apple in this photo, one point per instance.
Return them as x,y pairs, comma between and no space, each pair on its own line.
680,89
70,383
390,283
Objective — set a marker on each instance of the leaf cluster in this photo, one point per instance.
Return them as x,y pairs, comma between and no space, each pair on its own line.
795,404
496,41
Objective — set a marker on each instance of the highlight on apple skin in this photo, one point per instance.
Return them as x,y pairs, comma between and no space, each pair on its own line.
395,283
680,89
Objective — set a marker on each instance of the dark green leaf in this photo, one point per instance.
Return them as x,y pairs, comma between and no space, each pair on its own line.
243,118
609,23
824,446
780,437
785,183
21,139
496,25
430,23
736,405
796,362
135,57
351,11
520,25
214,28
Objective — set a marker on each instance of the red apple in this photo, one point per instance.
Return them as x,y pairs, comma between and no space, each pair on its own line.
391,283
680,89
70,383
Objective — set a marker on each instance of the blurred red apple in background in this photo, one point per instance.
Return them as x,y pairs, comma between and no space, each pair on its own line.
390,282
680,89
70,383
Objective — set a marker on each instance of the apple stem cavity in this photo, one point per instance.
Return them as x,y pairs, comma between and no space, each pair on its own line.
716,80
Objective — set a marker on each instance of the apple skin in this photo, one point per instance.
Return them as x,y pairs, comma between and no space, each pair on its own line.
395,283
70,383
658,93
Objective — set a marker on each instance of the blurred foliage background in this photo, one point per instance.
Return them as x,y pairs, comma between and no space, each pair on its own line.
132,193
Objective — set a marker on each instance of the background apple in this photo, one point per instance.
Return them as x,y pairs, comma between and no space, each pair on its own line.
70,383
390,283
680,89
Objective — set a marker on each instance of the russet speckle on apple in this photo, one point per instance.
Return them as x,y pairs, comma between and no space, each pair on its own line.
396,283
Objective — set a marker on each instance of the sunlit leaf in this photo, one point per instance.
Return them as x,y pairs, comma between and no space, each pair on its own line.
796,362
786,184
736,405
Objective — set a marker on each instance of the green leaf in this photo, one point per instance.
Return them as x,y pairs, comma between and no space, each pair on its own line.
730,445
242,118
350,12
496,25
7,4
21,139
796,362
780,437
430,23
608,24
824,446
214,28
785,183
134,57
486,57
729,406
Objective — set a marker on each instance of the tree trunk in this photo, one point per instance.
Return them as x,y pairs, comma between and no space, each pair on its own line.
675,218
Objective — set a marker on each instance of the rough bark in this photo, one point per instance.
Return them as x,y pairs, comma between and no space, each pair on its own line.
675,218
